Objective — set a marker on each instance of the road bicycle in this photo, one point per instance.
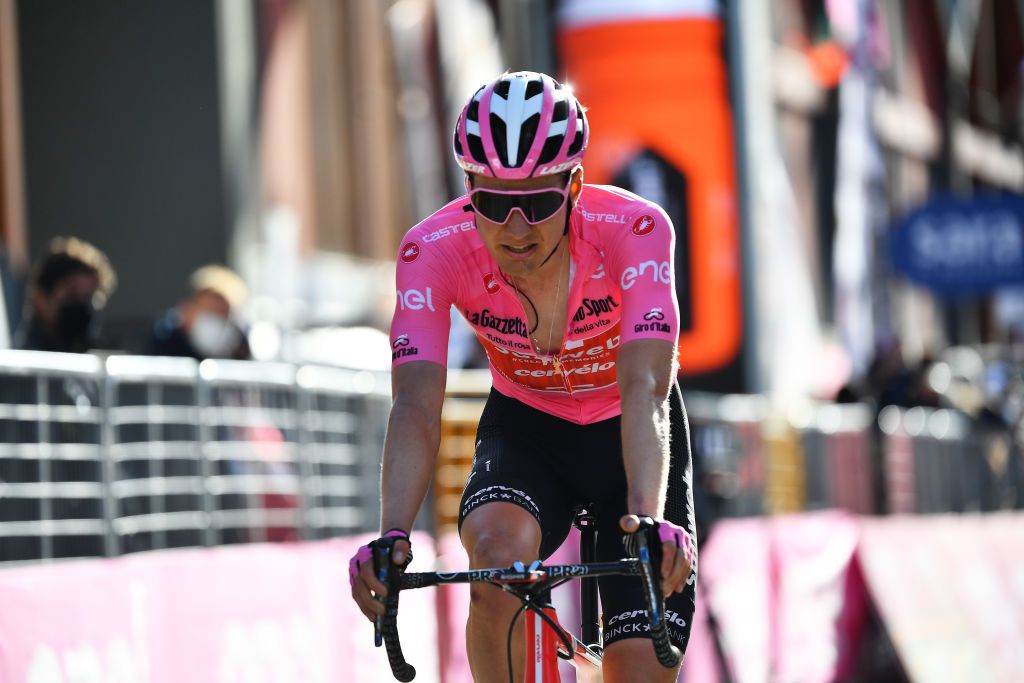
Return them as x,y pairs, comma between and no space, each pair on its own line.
547,640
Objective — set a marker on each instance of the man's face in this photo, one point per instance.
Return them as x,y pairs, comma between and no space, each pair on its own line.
205,302
77,288
518,247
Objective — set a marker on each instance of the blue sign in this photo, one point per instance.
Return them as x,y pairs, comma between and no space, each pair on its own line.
962,246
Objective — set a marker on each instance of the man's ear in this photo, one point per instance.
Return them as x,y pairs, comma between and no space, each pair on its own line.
576,184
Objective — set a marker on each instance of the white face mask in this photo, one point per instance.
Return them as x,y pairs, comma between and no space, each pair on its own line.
213,336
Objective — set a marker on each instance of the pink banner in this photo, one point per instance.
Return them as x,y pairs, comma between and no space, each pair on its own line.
737,586
243,613
785,597
950,590
819,597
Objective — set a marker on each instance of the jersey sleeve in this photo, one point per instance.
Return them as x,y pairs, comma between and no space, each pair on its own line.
639,257
424,291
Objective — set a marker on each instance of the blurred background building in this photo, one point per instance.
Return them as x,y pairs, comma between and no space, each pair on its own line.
297,140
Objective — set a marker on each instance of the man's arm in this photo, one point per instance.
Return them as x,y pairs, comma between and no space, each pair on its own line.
646,368
410,450
645,371
412,441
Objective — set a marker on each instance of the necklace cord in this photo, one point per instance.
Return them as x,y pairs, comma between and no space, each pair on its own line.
536,315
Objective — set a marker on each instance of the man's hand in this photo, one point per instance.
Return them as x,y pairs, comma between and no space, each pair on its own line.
367,590
676,553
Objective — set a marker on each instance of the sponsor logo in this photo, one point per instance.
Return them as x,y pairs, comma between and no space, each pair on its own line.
671,616
499,493
473,168
405,351
603,217
507,342
599,273
557,168
599,350
567,570
491,283
415,300
654,314
402,349
651,327
659,272
625,629
512,326
582,370
447,230
410,252
590,327
594,307
643,225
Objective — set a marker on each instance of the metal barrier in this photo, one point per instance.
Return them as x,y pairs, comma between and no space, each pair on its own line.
157,475
755,460
53,500
130,453
837,447
104,456
938,460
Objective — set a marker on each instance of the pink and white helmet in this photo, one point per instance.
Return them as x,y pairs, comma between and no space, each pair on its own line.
521,125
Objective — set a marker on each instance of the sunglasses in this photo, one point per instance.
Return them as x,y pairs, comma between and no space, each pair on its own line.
536,206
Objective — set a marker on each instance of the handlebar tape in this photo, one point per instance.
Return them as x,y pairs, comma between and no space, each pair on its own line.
390,575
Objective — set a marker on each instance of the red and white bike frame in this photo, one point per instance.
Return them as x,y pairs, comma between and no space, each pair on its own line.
542,646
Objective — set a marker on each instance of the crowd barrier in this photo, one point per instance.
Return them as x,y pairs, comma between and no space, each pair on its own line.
938,461
104,456
274,613
796,598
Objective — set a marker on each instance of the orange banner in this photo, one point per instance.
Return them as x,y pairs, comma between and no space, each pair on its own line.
656,93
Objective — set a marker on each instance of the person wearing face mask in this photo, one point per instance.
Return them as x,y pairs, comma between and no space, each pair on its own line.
201,326
68,289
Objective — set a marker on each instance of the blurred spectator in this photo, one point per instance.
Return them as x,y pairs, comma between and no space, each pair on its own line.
68,288
202,325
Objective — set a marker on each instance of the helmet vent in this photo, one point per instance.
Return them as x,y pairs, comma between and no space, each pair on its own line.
527,133
476,148
577,143
499,133
560,112
551,147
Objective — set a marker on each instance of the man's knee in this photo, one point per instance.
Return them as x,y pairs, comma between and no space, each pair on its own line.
499,534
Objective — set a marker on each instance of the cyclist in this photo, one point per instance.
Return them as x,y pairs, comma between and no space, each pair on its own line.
570,290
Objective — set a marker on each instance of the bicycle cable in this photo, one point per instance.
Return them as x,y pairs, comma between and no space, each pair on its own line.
508,643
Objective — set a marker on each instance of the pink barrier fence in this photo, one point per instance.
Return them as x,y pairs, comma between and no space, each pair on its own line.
951,592
788,597
275,613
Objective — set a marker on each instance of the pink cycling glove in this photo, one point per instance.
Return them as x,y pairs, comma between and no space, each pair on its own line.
673,533
365,554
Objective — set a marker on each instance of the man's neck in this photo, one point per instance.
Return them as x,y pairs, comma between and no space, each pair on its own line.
546,276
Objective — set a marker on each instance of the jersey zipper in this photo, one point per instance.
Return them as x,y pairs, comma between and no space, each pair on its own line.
560,371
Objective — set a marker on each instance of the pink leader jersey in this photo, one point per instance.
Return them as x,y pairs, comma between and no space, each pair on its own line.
621,288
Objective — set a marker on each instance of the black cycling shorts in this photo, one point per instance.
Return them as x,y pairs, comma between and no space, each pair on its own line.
551,467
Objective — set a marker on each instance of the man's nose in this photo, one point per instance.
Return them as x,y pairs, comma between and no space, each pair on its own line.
517,223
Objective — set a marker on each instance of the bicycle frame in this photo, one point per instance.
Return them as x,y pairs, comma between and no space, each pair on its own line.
544,648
